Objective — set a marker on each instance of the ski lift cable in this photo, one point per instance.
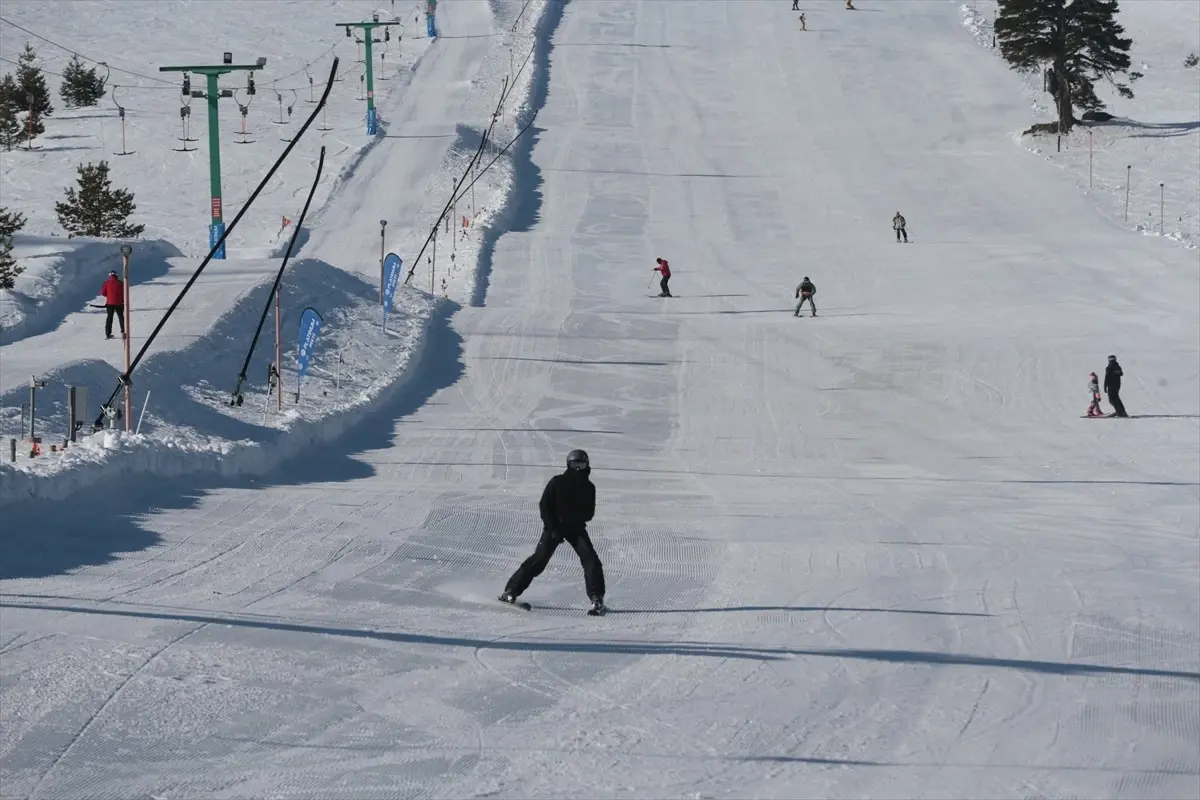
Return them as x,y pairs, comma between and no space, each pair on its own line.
75,52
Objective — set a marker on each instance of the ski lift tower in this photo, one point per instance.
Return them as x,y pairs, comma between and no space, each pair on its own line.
368,29
216,228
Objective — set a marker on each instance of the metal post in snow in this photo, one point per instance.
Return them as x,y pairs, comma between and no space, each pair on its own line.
126,251
1128,167
278,350
1089,158
33,387
382,256
71,412
1162,223
433,263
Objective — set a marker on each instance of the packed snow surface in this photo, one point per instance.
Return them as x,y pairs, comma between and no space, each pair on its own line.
874,553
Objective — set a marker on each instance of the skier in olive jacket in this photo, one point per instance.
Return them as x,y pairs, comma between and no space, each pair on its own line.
805,292
568,503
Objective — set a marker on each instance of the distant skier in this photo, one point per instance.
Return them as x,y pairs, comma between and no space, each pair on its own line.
795,5
568,503
805,292
850,6
665,269
900,226
1094,387
803,22
114,304
1112,386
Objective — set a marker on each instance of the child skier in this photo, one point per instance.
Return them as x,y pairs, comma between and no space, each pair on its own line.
665,269
805,292
1094,388
568,503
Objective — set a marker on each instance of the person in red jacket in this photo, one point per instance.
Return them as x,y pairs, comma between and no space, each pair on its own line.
665,269
113,292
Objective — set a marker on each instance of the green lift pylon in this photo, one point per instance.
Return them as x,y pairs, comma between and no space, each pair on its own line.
216,228
368,29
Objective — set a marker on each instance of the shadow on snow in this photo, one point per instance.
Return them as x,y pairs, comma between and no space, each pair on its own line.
639,649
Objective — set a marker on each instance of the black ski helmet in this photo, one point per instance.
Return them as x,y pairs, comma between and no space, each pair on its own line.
578,459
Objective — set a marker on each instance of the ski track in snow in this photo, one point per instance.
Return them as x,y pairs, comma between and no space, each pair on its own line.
875,553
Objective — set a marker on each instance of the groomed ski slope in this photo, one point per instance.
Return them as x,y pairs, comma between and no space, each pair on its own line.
872,554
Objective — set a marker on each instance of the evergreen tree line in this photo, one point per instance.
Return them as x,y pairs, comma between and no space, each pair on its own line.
25,99
91,208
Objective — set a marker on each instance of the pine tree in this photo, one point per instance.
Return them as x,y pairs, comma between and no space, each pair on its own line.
31,84
81,85
10,223
1080,40
97,209
10,121
9,270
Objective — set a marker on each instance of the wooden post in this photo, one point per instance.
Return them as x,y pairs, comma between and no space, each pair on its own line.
1162,223
126,251
278,350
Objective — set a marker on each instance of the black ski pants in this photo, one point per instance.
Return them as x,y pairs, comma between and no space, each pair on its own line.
593,570
662,285
1114,398
109,311
901,231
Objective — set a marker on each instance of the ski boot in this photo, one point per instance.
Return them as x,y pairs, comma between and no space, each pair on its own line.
598,608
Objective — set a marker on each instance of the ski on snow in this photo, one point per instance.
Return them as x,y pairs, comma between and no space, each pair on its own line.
521,604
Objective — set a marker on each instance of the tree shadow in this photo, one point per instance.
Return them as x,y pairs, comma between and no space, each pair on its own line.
641,649
1164,416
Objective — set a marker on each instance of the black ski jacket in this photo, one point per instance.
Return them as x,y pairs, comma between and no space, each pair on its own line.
1112,377
806,287
569,501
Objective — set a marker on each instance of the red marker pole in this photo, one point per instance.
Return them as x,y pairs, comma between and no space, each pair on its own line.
126,251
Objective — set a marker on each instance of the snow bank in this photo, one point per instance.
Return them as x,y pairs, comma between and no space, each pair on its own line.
1154,138
190,426
63,275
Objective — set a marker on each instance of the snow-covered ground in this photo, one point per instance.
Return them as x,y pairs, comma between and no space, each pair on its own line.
877,553
1153,145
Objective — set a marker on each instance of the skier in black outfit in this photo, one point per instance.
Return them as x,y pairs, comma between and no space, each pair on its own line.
804,293
568,503
1112,386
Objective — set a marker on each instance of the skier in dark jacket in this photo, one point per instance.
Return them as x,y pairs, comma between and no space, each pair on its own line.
805,292
568,503
1112,386
114,304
